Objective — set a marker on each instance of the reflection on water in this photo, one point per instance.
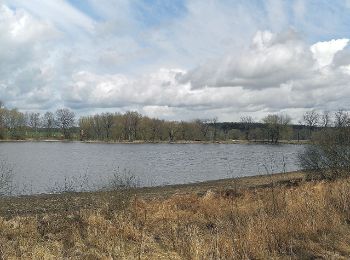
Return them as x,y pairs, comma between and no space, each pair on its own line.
43,167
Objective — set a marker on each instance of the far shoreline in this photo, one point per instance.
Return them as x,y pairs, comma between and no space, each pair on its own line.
296,142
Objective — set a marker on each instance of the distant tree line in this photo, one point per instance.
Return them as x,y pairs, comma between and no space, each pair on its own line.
131,126
18,125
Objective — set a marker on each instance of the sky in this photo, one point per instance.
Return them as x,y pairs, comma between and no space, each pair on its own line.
176,59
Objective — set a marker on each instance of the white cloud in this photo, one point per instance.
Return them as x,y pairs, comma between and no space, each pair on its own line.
218,58
277,72
59,12
324,52
270,60
22,47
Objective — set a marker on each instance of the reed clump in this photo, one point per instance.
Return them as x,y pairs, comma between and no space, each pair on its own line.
308,220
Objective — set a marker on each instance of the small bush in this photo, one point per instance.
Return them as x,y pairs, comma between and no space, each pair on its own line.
122,180
329,155
71,184
121,189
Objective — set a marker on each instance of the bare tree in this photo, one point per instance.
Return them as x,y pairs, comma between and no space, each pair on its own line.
172,128
65,119
203,126
275,124
107,122
48,122
97,126
311,118
156,129
15,122
131,120
214,123
33,121
86,126
183,130
326,119
329,155
247,122
341,118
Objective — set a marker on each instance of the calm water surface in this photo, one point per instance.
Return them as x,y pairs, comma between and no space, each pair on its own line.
41,167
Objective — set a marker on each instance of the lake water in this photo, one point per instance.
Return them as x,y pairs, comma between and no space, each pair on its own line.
42,167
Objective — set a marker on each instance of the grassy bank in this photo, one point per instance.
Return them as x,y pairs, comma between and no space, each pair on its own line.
268,217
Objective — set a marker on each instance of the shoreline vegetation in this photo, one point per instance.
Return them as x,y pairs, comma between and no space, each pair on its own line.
278,216
301,142
132,126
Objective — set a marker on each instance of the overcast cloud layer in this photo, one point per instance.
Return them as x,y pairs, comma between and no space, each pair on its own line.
176,59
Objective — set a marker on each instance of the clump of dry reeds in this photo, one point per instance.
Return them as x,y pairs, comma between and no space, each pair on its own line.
306,221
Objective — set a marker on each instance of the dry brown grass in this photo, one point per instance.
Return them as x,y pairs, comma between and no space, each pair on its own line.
310,220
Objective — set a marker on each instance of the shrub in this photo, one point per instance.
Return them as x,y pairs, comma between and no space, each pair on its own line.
329,154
